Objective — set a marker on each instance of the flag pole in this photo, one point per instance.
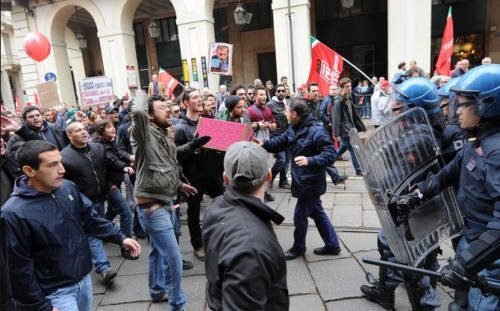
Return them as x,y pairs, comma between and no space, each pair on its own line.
360,71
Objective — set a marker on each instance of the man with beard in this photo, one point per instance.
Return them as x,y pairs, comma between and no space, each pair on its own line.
35,128
158,182
209,106
313,100
236,108
279,106
196,168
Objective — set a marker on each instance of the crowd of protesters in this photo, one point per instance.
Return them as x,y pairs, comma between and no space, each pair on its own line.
83,159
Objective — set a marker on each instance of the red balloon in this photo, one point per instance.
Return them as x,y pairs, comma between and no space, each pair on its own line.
37,46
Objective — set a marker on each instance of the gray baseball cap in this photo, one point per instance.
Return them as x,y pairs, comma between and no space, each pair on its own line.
245,164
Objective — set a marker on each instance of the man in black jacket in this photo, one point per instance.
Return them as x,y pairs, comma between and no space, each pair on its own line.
245,266
50,260
197,167
344,119
279,106
36,128
85,165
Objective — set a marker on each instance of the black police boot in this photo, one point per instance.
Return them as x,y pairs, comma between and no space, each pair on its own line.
380,295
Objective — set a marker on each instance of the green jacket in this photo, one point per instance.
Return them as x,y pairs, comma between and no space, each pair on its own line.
157,170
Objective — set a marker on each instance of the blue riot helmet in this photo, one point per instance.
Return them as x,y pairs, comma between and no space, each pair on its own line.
418,92
445,90
481,86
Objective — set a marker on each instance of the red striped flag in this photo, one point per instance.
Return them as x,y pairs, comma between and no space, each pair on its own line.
167,80
443,64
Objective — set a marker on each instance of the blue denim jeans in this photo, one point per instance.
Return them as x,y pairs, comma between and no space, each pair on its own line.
165,263
99,258
76,297
344,146
333,172
304,209
476,299
118,202
281,166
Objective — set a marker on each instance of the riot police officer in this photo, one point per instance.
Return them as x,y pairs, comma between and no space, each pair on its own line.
414,92
453,135
476,172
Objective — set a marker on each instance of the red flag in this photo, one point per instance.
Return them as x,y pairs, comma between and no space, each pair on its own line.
18,104
167,80
326,66
443,64
37,101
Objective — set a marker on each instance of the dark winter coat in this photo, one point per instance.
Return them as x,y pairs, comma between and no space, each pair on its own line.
116,159
49,133
245,265
279,113
87,168
310,139
342,122
47,238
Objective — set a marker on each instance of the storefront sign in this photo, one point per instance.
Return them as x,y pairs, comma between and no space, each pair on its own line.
96,90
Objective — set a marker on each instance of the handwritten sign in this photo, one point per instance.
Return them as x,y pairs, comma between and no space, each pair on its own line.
96,90
223,133
47,92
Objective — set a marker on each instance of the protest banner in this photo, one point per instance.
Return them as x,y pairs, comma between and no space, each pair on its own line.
47,94
131,77
223,133
185,72
96,90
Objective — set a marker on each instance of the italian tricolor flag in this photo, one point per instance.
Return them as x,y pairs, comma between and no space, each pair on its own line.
326,66
443,64
167,80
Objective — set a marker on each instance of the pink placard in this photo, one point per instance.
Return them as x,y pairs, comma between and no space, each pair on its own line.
223,133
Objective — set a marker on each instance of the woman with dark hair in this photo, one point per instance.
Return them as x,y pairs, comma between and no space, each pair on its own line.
119,162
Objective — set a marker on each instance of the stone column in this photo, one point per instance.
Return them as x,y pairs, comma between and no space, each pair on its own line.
7,98
409,33
195,24
301,31
59,58
118,52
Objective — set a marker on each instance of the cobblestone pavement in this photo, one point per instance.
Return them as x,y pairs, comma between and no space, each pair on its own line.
314,282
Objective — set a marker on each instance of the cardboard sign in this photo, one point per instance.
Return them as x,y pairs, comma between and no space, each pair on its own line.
48,95
223,133
96,90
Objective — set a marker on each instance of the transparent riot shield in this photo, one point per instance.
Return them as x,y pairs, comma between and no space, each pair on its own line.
394,158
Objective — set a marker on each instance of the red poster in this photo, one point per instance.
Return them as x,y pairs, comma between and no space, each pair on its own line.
223,133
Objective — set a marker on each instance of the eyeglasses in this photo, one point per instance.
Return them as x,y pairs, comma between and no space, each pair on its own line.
280,91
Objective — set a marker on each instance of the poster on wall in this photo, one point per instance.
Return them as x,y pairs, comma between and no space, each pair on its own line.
204,71
194,68
221,58
131,77
96,90
47,94
185,72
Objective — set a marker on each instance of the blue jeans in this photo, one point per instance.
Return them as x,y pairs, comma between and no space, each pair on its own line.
476,299
366,109
304,209
344,146
99,258
333,172
280,166
165,263
76,297
118,202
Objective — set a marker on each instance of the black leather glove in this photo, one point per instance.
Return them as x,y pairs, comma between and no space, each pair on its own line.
200,141
454,276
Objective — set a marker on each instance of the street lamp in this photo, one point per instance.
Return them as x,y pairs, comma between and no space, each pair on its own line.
347,4
241,16
154,30
82,41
